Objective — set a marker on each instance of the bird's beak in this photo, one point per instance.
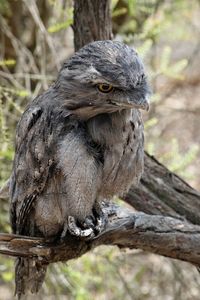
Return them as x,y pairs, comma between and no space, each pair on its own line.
145,104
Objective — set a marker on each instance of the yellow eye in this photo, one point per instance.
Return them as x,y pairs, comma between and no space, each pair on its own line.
105,88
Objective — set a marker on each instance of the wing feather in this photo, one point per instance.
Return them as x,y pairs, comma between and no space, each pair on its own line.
32,162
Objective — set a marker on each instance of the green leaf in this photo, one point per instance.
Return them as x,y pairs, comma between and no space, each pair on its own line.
165,58
175,70
59,26
7,276
7,62
131,7
114,4
145,47
151,123
22,93
119,12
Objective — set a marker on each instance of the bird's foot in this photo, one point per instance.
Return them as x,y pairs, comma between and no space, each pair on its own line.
80,229
89,228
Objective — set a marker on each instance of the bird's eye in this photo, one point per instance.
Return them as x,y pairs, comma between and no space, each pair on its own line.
105,88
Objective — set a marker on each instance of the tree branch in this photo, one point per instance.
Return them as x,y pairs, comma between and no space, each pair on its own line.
157,234
162,192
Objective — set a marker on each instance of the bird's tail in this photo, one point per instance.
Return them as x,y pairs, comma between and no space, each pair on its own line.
29,276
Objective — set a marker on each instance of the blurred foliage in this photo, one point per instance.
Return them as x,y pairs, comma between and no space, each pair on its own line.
65,16
7,62
32,35
4,7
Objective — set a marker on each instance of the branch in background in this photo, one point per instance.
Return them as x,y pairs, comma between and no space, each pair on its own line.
157,234
162,192
33,8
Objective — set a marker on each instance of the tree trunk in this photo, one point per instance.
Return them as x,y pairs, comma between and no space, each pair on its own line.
92,21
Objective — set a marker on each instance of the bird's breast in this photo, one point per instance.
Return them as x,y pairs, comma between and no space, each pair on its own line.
120,135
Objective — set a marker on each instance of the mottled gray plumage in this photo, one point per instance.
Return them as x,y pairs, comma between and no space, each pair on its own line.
76,146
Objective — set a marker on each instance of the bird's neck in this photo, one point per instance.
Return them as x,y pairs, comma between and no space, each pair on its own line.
107,129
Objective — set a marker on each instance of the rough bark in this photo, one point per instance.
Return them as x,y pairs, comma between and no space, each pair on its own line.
92,21
158,234
162,192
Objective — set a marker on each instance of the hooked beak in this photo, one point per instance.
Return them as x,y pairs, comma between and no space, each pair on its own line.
144,104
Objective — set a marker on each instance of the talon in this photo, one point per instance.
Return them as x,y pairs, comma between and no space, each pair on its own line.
72,227
90,227
101,219
77,231
89,222
101,223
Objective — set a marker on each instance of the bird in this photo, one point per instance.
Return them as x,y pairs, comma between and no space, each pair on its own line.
79,143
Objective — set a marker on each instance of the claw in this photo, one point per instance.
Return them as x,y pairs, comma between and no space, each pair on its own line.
101,223
89,228
89,222
101,219
72,228
77,231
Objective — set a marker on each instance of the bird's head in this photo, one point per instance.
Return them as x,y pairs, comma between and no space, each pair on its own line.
103,77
